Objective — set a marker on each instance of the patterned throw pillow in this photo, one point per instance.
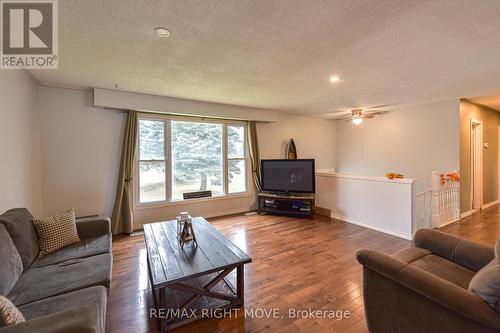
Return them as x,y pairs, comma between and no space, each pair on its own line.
56,232
9,314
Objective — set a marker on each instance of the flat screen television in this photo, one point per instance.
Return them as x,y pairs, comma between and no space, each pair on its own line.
288,176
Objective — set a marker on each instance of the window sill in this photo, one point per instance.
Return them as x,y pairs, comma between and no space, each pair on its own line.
154,205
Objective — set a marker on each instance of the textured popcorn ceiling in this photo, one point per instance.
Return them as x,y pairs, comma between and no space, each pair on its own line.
279,54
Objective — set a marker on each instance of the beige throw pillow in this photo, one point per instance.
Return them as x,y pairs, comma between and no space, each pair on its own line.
56,232
486,282
9,314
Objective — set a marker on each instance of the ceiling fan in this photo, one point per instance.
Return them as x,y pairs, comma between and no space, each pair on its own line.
358,115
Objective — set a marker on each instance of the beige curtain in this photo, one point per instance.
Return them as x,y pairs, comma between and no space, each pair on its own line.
122,220
253,149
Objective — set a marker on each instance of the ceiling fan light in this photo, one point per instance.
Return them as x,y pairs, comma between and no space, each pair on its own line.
357,121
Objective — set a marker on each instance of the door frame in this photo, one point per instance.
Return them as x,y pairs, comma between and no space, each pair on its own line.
498,165
476,127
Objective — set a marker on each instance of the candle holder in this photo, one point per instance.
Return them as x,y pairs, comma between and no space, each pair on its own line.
185,231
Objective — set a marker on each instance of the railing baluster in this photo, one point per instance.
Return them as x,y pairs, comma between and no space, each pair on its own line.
440,204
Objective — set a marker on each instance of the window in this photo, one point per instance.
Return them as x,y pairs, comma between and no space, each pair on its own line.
152,163
236,163
196,158
177,156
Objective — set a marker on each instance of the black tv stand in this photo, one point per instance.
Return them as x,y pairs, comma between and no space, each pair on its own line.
290,204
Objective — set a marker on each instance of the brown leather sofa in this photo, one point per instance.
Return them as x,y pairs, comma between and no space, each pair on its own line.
424,288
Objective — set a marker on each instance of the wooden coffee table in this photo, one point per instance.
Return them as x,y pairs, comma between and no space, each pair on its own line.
190,278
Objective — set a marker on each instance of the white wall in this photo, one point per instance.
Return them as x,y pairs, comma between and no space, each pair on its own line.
371,202
81,147
210,207
81,151
19,143
314,138
413,141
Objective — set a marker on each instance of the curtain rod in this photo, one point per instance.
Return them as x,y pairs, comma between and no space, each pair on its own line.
186,115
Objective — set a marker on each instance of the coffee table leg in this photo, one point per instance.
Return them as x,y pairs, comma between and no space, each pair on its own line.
240,284
163,321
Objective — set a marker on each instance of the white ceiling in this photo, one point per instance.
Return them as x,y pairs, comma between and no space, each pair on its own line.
279,54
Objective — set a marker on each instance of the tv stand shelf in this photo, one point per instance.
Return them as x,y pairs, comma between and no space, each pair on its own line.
297,205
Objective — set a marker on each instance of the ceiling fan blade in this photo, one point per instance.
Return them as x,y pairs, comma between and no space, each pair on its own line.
341,118
340,112
368,117
383,106
377,106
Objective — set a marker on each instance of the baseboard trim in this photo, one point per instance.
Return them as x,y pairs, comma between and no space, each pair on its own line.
466,214
454,221
368,226
323,211
490,204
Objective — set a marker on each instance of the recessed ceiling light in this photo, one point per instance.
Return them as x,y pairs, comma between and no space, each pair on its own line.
161,32
334,79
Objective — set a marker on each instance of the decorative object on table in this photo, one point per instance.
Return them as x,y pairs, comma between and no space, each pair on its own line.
185,231
393,175
291,150
450,177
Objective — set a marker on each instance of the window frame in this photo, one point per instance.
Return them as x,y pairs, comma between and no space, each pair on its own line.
167,119
227,158
166,158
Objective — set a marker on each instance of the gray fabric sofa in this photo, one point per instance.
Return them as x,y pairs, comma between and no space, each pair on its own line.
65,291
424,288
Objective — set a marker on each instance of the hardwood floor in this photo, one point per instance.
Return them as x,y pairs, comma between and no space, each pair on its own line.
482,227
297,264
